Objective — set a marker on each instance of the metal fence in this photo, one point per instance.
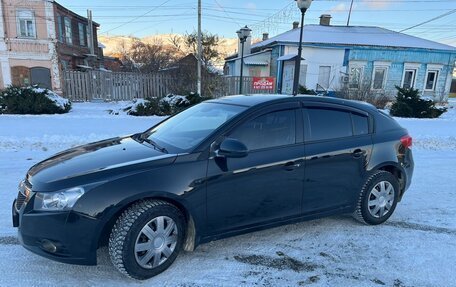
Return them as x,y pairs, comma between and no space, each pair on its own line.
114,86
117,86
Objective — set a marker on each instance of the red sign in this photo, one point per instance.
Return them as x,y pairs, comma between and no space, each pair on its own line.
263,83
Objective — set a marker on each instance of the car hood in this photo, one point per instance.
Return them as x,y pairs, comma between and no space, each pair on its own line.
95,162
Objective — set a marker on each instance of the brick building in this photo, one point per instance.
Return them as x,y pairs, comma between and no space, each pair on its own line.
41,38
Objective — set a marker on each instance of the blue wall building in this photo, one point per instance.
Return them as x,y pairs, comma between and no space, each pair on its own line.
351,58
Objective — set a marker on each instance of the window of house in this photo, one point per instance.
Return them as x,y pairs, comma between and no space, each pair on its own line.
270,130
324,74
60,34
65,65
82,34
226,69
26,24
303,75
431,80
379,78
329,124
68,31
355,77
409,78
255,71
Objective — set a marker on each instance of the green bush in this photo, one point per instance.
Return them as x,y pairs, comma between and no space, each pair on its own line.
409,104
304,91
166,106
30,100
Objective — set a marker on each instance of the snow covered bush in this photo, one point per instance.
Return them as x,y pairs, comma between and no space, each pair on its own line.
166,106
32,100
146,107
409,104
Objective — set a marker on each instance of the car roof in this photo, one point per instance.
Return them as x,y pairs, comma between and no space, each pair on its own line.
249,100
258,99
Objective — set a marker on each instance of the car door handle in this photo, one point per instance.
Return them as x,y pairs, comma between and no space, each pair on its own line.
291,165
358,153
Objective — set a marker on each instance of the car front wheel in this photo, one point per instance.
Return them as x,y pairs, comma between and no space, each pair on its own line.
147,238
378,198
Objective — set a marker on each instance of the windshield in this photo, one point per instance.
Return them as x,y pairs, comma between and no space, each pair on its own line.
189,128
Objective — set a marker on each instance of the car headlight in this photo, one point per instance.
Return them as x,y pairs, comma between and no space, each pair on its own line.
58,201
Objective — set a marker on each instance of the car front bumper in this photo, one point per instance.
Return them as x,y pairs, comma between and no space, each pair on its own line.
61,236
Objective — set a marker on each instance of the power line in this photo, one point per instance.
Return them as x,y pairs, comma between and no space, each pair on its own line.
128,22
227,14
430,20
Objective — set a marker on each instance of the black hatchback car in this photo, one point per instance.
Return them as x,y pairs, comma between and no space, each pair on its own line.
223,167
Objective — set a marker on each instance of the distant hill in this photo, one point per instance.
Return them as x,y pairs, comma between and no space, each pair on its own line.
116,44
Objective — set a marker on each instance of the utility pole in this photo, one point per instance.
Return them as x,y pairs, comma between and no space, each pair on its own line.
90,32
349,13
200,48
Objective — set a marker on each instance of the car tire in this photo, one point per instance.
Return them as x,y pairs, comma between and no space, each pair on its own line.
147,238
378,198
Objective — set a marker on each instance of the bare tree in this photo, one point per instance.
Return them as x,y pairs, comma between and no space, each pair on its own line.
150,58
189,44
364,92
176,42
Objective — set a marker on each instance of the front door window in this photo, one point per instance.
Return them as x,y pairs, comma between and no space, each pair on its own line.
270,130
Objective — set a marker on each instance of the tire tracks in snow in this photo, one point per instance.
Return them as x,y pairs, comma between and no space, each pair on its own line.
420,227
9,240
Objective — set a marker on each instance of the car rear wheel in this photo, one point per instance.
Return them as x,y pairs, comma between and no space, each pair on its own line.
147,238
378,198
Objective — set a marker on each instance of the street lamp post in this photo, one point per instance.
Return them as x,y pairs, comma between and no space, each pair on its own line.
243,34
303,5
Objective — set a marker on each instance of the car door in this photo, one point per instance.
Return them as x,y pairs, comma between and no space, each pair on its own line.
265,185
338,145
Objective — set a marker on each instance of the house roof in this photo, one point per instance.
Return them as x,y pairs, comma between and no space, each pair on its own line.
236,57
66,10
256,63
355,36
289,57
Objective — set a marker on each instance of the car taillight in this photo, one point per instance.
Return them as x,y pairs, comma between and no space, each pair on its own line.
406,141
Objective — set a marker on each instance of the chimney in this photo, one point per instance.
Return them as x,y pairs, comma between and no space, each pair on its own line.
295,24
265,36
325,20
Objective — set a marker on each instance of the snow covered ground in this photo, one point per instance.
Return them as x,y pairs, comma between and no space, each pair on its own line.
416,247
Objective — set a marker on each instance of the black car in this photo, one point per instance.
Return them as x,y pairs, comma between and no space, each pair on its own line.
221,168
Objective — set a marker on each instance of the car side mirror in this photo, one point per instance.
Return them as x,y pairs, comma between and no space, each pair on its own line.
232,148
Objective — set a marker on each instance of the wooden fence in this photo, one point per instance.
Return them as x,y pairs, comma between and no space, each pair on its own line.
114,86
118,86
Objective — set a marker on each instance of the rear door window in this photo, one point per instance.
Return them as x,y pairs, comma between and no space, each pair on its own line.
360,124
328,123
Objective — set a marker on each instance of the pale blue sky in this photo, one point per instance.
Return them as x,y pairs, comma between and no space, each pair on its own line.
224,17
